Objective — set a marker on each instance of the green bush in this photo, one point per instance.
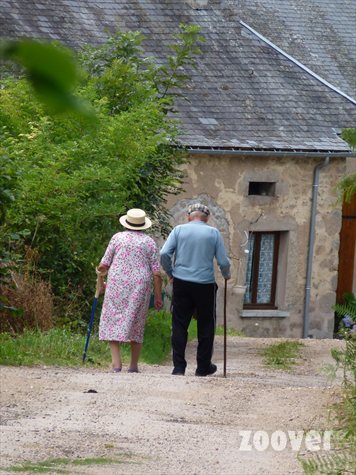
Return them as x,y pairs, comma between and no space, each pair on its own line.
346,316
67,177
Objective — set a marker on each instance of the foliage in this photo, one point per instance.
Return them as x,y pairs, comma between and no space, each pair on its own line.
7,183
61,347
329,464
71,176
346,314
282,355
173,76
341,459
349,135
122,51
33,301
347,187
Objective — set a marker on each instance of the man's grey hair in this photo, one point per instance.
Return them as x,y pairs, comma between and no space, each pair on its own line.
198,207
198,214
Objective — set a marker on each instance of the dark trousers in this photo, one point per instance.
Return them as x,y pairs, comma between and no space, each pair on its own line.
190,298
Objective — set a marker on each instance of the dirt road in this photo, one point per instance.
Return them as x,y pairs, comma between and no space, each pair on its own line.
155,423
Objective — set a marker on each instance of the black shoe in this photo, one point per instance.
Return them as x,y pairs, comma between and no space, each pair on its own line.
211,370
178,372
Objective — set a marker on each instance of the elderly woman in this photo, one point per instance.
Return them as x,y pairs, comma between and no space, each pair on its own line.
130,260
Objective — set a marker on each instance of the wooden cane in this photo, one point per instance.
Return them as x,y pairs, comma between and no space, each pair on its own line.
225,290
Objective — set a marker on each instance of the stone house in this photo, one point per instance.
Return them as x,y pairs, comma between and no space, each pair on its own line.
266,104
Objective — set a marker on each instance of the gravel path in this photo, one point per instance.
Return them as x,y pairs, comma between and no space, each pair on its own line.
153,423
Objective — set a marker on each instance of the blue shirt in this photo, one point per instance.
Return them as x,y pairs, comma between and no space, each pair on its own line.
195,245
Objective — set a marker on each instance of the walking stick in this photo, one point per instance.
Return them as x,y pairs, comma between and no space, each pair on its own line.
93,308
225,289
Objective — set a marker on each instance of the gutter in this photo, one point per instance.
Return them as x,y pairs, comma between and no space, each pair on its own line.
316,174
269,153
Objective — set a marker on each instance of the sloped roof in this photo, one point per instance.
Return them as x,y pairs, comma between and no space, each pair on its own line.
318,33
244,94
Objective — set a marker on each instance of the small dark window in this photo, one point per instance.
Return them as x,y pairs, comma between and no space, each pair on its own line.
262,188
261,275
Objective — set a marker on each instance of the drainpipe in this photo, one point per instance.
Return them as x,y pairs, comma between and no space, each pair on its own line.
311,244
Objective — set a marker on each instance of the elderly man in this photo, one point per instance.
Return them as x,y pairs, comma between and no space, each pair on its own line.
194,246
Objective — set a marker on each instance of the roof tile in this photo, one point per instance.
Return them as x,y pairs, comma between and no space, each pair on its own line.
243,92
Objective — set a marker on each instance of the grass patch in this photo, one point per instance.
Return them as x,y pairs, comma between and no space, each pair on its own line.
57,347
157,341
193,332
229,331
57,465
282,355
61,347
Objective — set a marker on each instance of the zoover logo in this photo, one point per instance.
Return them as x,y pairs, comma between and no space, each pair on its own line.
279,440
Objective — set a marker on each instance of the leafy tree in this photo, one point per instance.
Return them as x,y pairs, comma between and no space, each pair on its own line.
75,175
347,186
349,135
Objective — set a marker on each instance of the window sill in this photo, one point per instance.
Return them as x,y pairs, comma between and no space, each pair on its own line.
264,313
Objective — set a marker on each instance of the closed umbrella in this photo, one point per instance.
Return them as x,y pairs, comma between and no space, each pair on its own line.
99,286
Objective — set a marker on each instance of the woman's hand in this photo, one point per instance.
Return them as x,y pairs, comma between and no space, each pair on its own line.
101,270
158,302
102,286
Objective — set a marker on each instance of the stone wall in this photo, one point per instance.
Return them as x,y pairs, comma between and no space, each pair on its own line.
222,183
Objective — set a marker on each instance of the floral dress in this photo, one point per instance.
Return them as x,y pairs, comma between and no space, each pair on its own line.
132,257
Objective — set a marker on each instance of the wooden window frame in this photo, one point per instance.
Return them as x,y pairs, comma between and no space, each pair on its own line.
255,267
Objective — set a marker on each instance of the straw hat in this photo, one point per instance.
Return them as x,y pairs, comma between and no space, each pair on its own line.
136,220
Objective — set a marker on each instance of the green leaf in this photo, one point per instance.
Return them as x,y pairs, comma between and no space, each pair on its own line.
50,68
45,60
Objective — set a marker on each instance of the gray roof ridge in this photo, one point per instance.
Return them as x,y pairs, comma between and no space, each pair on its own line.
296,62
